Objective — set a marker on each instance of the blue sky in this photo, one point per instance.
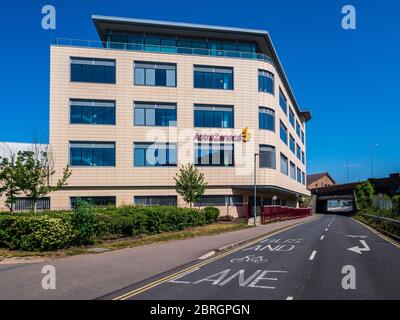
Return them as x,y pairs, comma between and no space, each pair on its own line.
348,78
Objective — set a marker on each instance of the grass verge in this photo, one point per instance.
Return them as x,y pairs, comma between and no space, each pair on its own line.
130,242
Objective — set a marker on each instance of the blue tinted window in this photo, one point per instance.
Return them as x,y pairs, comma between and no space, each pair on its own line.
220,155
291,117
299,175
213,77
283,101
92,154
298,152
292,144
284,164
154,154
283,133
265,81
92,112
266,119
207,116
155,74
155,114
267,157
92,70
302,136
298,129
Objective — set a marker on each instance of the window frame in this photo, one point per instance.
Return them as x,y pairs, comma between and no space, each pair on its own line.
282,156
260,151
266,74
157,66
93,105
214,73
260,113
213,109
154,106
281,124
168,163
92,153
92,60
198,148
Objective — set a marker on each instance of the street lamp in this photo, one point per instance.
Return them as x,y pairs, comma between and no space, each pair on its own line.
255,189
372,158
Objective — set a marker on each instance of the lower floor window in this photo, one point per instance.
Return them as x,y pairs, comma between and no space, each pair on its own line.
155,200
221,155
96,201
220,200
24,204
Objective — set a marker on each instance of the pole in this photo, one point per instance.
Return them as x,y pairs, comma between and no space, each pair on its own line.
255,190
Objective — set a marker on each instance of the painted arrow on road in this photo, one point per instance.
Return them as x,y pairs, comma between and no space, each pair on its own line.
360,249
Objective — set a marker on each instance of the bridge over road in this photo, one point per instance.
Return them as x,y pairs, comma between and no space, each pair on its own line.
342,193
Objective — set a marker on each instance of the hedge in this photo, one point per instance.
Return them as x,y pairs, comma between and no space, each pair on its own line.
86,225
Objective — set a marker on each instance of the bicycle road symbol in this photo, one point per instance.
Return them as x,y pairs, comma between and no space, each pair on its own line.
251,258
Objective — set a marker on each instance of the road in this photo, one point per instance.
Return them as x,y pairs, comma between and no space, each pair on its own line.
308,261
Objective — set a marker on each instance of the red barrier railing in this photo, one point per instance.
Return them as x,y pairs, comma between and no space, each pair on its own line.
280,213
277,213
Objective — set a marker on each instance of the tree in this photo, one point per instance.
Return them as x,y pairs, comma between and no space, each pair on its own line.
9,181
190,183
33,173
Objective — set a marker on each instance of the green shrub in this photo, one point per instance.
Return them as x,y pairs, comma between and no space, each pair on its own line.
84,221
85,224
212,214
35,233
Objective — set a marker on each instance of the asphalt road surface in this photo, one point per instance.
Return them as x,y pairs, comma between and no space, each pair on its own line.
333,257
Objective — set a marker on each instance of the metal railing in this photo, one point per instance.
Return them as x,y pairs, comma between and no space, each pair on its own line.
270,214
161,49
393,222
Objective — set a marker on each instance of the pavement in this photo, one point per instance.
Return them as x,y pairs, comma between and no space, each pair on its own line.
101,275
333,257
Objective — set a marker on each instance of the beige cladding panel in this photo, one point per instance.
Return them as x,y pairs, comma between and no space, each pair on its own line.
245,98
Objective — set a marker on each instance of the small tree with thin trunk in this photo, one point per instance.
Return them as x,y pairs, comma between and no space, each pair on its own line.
34,172
9,181
190,183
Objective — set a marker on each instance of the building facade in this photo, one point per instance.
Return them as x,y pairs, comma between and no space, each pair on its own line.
127,111
320,180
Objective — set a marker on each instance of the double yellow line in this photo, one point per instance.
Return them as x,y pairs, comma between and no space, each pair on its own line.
158,282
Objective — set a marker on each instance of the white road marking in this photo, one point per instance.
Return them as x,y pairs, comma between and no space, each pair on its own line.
356,236
207,255
359,250
332,220
313,255
326,229
175,280
322,238
289,298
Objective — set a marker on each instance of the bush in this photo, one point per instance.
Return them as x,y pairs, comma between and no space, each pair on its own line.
212,214
84,221
35,233
85,224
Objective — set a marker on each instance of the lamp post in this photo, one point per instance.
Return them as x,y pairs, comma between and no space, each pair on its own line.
255,189
372,158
